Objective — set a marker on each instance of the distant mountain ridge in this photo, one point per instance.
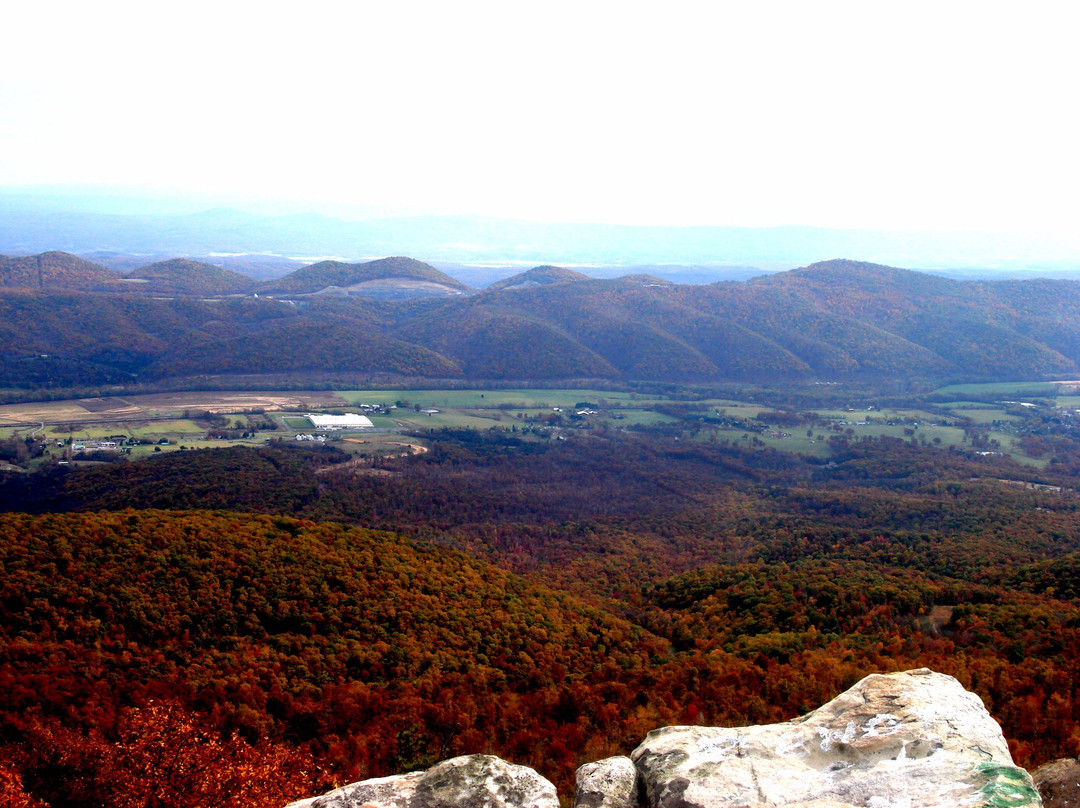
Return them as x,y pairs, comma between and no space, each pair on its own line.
337,274
539,276
833,320
54,270
31,223
184,276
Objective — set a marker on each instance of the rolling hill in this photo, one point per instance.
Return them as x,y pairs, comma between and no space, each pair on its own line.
977,328
494,343
181,276
834,320
538,276
371,651
304,344
55,271
386,278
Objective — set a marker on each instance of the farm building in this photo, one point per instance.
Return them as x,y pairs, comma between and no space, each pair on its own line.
350,420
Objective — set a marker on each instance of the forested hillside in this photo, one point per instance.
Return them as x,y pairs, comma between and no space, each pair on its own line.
181,276
839,320
538,276
325,274
661,582
53,271
374,654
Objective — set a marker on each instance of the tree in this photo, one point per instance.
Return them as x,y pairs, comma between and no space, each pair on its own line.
162,757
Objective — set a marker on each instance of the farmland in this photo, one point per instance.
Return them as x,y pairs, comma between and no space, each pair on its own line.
995,418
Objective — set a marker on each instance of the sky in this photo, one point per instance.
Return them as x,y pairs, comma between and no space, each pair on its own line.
915,115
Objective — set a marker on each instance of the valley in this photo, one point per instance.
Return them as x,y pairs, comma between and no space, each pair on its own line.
974,417
562,513
528,407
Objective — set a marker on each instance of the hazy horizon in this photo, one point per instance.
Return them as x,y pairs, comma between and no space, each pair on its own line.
105,220
839,115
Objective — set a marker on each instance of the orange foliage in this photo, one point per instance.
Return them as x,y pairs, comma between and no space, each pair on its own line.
160,756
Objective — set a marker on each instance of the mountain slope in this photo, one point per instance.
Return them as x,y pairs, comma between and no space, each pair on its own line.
538,276
336,274
863,290
371,651
979,329
834,320
55,271
182,276
494,343
304,344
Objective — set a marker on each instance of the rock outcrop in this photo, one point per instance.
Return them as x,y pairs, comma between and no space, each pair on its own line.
910,740
471,781
902,740
608,783
1059,783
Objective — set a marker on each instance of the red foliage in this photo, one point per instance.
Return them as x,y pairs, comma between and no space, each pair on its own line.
159,756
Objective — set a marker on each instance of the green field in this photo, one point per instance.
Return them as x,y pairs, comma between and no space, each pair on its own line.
641,418
19,431
165,428
542,411
985,415
817,446
455,418
1009,389
506,399
185,445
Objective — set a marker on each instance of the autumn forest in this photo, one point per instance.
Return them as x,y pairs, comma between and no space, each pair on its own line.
253,617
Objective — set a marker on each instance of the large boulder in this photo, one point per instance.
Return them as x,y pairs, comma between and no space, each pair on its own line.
1059,783
471,781
902,740
608,783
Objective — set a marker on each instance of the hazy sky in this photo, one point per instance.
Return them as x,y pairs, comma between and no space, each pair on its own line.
937,115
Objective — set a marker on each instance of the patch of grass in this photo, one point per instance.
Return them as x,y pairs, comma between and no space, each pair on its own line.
95,431
492,399
180,426
985,415
641,418
380,445
1005,389
450,418
798,443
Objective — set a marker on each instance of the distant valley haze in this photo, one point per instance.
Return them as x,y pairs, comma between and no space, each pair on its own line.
125,230
718,140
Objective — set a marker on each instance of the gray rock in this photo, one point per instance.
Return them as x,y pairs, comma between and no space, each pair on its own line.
1059,783
398,791
903,740
608,783
471,781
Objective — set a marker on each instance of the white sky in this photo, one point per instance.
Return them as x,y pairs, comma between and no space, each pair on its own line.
939,115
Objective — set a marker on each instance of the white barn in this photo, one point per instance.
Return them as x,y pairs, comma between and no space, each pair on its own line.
350,420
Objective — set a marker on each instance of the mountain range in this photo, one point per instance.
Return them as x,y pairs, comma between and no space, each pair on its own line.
66,321
32,220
